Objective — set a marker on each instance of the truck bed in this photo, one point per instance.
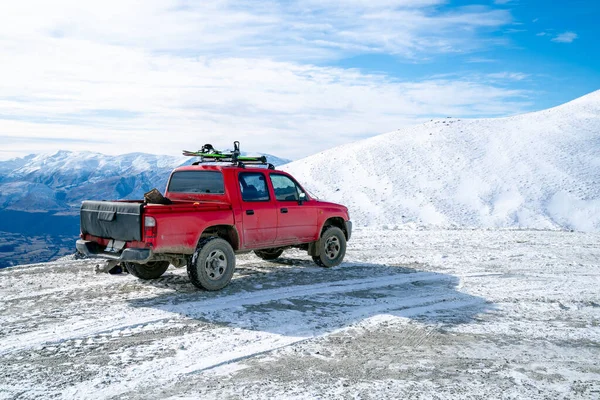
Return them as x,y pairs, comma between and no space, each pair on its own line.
122,220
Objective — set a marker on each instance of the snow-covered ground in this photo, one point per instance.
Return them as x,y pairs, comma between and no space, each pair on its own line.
410,314
539,170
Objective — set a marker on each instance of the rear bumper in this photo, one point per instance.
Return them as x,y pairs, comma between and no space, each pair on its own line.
92,249
349,229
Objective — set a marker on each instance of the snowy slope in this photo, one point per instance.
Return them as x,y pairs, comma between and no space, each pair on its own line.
537,170
61,180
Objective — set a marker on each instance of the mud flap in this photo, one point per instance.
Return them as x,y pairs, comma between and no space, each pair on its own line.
314,248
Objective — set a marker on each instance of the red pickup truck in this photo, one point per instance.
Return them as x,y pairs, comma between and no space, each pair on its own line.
214,212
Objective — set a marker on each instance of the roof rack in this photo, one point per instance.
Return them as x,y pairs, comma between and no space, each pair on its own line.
209,154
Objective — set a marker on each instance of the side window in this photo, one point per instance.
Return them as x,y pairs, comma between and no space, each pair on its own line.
253,186
285,188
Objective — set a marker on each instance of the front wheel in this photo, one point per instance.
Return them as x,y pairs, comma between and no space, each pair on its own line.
332,248
212,265
150,270
269,254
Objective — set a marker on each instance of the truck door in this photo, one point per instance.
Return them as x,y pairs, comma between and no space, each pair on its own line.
259,215
296,219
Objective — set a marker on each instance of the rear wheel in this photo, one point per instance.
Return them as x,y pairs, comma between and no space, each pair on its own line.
269,254
150,270
333,248
212,265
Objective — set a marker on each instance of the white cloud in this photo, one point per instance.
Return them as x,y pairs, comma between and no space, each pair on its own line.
157,76
566,37
481,60
287,30
512,76
178,103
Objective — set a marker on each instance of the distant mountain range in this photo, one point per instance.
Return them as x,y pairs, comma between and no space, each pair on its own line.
40,196
539,170
60,181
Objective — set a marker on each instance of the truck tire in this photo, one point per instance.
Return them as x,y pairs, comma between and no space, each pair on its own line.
150,270
333,248
212,265
269,254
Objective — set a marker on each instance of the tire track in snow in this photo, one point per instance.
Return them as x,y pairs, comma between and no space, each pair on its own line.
150,375
408,308
129,318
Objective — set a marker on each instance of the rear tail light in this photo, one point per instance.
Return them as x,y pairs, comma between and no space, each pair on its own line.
149,230
149,222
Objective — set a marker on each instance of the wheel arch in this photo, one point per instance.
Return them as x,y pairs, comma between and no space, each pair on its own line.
337,222
226,232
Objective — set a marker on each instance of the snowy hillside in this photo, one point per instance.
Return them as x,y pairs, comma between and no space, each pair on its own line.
61,180
537,170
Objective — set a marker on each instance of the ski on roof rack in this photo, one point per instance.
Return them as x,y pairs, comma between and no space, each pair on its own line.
209,154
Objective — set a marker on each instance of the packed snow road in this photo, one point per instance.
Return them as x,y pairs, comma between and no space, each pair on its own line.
410,314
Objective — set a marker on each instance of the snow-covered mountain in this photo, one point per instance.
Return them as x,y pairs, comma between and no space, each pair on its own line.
61,180
536,170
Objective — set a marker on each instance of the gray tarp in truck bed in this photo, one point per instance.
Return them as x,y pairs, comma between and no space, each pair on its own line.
112,219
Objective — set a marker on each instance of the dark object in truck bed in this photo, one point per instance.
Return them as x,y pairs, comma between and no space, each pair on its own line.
155,197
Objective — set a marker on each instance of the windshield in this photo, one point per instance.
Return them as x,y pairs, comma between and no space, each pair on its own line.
197,182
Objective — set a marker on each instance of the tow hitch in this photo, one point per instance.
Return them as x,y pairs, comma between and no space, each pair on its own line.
106,266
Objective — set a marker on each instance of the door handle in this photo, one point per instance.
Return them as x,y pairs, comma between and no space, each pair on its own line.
284,211
249,212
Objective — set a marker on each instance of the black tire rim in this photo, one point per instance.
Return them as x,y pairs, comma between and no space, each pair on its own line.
215,265
332,247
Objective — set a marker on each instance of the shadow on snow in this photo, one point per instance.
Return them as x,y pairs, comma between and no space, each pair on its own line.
297,299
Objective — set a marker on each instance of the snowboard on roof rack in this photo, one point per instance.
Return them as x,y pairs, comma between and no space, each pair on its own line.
209,154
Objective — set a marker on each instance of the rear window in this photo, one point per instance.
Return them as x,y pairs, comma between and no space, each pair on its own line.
197,182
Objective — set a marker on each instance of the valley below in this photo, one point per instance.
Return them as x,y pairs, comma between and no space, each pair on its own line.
419,314
33,237
17,249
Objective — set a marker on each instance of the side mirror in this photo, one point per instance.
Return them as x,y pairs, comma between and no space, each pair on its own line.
301,198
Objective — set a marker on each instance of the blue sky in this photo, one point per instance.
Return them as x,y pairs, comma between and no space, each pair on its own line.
551,47
285,77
